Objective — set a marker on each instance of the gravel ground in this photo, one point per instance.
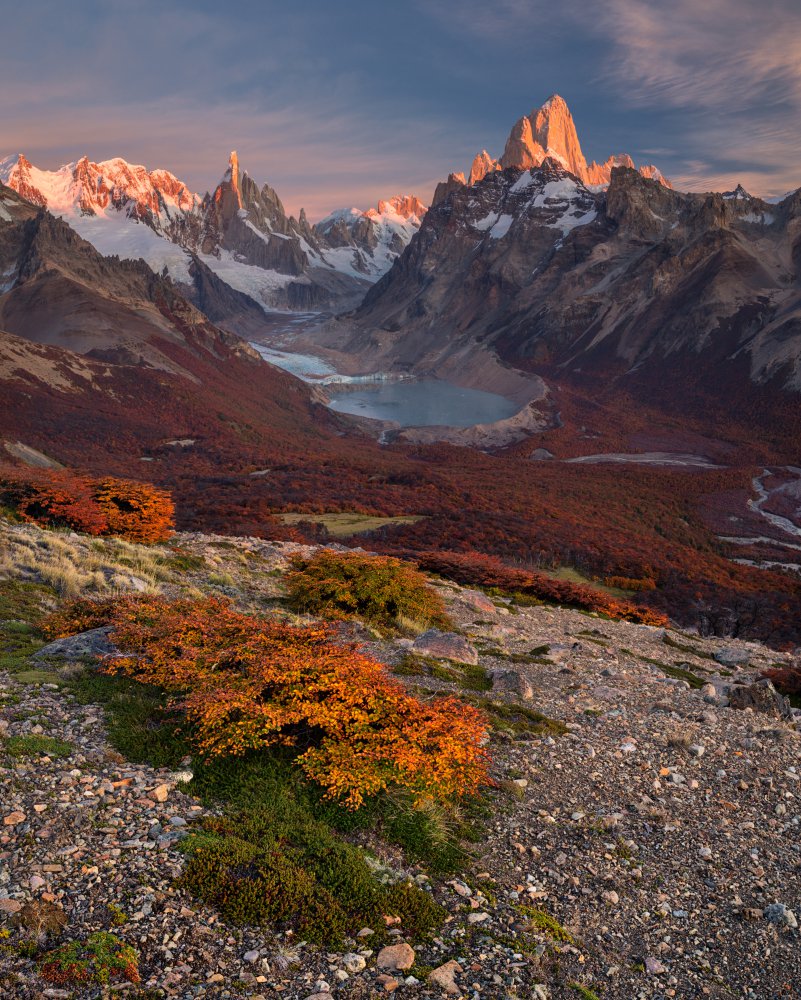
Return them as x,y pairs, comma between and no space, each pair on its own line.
651,850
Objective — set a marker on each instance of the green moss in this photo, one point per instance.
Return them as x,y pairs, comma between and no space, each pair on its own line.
37,677
27,602
36,746
140,723
255,871
544,923
519,720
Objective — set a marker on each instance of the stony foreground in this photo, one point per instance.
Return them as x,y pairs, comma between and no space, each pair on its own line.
651,850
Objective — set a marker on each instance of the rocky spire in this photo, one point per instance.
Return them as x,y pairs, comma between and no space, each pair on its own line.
551,131
483,164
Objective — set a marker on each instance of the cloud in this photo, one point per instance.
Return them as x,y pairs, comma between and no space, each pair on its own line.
722,53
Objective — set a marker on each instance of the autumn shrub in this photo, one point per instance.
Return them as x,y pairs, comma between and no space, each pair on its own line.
630,583
101,960
476,569
379,589
247,683
139,512
54,497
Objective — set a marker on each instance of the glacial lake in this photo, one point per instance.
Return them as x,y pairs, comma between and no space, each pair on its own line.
430,402
410,403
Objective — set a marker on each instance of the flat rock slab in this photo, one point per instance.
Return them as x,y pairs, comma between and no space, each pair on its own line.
445,646
86,645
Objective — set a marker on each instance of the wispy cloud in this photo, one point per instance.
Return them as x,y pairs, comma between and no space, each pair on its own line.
730,73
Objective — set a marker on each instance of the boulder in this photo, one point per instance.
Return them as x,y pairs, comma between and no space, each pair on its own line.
512,682
732,656
445,646
761,696
477,601
443,976
395,958
86,645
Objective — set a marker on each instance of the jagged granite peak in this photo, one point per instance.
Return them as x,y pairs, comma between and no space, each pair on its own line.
375,237
445,188
551,131
483,164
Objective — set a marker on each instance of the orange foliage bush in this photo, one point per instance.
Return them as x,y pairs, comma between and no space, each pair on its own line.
137,511
52,497
247,683
786,679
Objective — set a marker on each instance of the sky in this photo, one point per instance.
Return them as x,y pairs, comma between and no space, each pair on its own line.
342,103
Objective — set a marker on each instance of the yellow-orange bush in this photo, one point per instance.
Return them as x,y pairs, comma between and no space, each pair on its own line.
137,511
380,589
247,683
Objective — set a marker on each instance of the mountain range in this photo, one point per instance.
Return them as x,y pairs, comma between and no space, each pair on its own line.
239,232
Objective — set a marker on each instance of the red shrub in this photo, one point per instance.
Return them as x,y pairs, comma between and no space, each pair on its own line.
58,497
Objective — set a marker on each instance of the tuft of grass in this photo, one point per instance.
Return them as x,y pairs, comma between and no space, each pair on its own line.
583,991
35,745
681,673
685,648
37,677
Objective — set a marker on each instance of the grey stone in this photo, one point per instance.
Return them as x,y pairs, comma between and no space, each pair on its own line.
445,646
85,645
512,682
778,913
731,656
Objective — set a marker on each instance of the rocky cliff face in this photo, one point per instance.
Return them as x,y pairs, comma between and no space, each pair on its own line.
535,267
57,290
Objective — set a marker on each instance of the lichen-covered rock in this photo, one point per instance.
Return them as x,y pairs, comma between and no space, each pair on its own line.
87,645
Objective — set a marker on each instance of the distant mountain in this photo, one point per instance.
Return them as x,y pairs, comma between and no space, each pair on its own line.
374,239
535,269
105,365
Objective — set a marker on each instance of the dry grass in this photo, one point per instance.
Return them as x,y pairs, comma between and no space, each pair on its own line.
74,565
